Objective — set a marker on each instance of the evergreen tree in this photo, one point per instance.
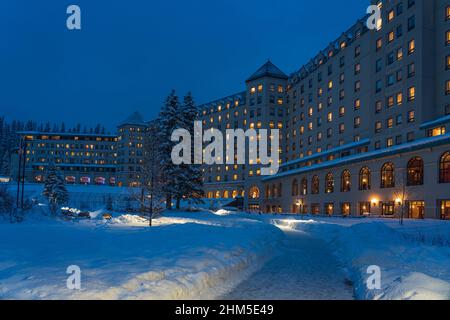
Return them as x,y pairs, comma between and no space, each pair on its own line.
192,177
54,189
5,168
109,203
63,127
168,121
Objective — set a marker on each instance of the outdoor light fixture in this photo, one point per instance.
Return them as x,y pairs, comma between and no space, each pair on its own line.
398,201
374,202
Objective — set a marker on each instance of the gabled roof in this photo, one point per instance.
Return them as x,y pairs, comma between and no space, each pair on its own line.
268,70
136,119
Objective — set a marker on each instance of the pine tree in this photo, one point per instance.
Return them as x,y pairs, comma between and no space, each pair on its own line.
5,168
109,203
168,121
54,189
191,175
63,127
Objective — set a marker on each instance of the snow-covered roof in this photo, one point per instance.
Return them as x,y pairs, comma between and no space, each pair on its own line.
69,134
268,70
327,152
436,122
415,145
135,119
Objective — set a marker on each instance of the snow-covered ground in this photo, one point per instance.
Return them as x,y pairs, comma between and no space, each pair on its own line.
201,255
184,256
414,258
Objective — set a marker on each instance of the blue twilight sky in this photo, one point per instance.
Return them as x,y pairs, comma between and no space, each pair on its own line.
130,54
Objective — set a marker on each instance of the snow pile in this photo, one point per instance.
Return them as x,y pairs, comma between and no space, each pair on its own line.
223,212
184,256
409,269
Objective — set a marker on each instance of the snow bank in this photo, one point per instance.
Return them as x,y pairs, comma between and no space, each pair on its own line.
409,269
184,256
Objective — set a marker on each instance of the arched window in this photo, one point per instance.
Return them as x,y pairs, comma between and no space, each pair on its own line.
329,183
304,187
267,192
444,168
226,194
235,193
295,187
364,179
315,185
279,190
274,191
415,172
387,176
346,182
254,192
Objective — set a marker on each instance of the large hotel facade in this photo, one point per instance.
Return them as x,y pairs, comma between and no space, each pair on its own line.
363,124
363,127
88,158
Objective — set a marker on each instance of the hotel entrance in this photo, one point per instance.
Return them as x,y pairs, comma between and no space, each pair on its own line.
416,209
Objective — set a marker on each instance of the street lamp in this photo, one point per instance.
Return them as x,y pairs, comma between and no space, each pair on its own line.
300,205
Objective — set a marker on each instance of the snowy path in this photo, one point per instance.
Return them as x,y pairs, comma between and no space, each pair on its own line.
304,269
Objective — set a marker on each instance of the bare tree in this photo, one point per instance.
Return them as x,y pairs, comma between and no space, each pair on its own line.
151,195
402,194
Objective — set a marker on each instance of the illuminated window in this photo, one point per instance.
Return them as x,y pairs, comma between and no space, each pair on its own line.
411,46
436,131
379,44
415,172
330,117
411,93
357,104
315,185
390,36
364,179
329,183
260,88
411,116
447,13
390,15
444,168
399,98
447,87
345,181
387,176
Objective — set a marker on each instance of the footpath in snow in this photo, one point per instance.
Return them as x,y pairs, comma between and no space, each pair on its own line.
414,258
304,268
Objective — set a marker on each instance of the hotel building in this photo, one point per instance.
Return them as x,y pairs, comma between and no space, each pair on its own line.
86,158
364,124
